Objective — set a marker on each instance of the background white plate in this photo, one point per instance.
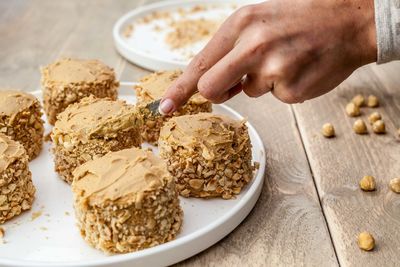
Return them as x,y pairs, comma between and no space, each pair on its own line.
52,239
146,46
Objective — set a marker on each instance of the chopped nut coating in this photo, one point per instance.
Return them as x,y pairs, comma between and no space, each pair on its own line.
367,183
373,117
328,130
379,127
352,110
373,101
360,127
358,100
395,185
366,241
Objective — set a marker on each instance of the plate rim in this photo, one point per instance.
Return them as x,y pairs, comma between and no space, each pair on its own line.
255,188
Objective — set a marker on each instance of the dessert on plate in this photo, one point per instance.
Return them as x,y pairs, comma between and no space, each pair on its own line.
68,80
126,201
20,119
89,129
209,155
151,88
16,187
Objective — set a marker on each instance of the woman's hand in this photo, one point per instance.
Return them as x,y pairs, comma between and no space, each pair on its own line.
295,49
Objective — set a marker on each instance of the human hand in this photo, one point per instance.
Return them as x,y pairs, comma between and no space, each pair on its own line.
298,50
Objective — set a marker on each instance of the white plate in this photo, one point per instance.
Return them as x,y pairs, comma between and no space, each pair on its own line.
146,46
52,239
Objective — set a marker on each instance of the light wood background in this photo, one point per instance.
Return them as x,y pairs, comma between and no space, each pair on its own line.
311,208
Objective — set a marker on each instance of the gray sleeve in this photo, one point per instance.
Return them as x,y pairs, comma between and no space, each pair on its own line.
387,19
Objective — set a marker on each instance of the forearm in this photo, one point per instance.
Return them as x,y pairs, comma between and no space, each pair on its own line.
387,17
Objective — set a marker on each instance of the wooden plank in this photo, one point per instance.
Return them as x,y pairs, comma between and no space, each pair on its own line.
339,163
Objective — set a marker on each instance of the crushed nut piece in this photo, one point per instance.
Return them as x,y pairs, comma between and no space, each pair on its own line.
366,241
379,127
352,110
358,100
373,117
373,101
395,185
2,232
328,130
367,183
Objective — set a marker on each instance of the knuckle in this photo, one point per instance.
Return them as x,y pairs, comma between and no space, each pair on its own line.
206,90
200,63
244,15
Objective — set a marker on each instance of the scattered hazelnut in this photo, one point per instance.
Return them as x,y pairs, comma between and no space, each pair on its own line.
366,241
360,127
373,117
352,110
358,100
372,101
379,127
367,183
328,130
395,185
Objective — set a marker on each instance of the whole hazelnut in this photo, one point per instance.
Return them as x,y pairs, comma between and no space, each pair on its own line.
373,117
367,183
352,110
379,127
372,101
366,241
360,127
328,130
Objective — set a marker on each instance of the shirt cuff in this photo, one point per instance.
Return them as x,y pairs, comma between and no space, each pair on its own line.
387,20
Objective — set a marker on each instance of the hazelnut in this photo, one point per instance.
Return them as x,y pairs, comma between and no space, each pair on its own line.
352,110
360,127
358,100
395,185
372,101
328,130
367,183
366,241
373,117
379,127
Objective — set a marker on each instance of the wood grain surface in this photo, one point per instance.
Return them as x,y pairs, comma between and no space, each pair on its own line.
304,217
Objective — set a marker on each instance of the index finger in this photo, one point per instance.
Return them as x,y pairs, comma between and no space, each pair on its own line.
186,85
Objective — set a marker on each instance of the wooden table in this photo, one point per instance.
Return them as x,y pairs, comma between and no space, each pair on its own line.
311,209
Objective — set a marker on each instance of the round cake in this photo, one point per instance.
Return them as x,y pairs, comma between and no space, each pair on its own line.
126,201
152,87
67,81
16,187
90,129
20,119
209,155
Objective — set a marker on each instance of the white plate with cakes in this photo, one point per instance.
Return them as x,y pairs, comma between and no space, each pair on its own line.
166,35
47,235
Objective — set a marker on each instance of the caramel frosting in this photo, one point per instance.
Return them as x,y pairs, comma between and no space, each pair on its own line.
73,71
92,117
153,86
122,176
208,131
10,151
12,102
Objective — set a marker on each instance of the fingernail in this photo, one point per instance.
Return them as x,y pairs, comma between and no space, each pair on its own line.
166,106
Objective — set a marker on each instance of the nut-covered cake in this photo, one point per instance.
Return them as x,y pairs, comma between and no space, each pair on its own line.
20,119
16,187
209,155
91,128
67,81
152,87
126,201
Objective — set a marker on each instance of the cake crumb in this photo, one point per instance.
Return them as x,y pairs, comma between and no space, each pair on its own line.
36,215
43,228
66,213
